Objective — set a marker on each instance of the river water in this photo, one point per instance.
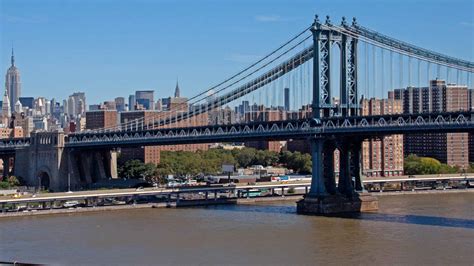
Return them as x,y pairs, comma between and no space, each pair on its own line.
408,229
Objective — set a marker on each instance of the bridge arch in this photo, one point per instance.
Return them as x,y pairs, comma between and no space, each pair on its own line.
44,177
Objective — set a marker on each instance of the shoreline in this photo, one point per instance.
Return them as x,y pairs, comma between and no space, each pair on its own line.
187,204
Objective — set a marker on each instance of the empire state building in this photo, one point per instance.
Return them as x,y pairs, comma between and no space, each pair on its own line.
12,83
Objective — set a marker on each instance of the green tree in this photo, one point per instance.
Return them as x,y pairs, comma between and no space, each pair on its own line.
266,158
299,162
415,165
136,169
245,157
9,182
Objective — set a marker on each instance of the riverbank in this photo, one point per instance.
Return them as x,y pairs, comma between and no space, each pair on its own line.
408,230
196,203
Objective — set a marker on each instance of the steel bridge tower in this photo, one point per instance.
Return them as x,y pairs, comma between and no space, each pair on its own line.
324,196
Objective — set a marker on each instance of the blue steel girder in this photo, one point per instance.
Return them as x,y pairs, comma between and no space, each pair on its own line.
365,126
423,53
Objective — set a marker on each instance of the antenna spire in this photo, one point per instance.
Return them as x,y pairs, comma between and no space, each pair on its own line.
13,58
176,90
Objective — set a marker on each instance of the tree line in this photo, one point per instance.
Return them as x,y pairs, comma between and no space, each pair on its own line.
184,163
415,165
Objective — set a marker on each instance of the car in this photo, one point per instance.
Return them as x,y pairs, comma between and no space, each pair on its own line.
71,204
173,184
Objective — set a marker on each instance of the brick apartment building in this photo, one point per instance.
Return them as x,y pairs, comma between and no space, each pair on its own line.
382,157
152,154
262,113
450,148
101,119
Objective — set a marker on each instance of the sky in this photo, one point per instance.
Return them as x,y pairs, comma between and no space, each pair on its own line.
110,48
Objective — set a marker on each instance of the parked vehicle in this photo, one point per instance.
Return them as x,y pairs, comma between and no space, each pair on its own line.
71,204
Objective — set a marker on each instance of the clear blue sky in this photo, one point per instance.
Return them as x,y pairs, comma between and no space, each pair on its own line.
112,48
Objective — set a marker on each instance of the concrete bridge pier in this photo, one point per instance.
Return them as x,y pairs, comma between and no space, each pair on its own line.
48,163
324,198
97,165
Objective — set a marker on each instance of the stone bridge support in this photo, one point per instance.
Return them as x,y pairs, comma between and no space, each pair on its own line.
324,197
48,163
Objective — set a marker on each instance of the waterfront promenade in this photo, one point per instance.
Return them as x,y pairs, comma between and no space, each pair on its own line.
101,200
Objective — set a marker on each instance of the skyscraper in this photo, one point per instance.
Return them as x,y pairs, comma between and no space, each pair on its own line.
145,99
6,109
12,83
131,102
120,104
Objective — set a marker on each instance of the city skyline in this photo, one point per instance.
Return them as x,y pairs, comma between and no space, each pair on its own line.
148,66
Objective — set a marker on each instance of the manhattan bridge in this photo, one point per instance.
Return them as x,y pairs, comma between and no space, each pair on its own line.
329,68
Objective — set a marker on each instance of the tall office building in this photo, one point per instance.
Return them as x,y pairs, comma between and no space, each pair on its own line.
287,99
450,148
13,83
76,104
27,101
131,102
145,99
471,134
120,104
6,111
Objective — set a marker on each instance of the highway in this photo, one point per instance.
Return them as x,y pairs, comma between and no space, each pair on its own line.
279,188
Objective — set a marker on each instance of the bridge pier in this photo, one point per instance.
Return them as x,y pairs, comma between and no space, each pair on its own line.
48,163
323,197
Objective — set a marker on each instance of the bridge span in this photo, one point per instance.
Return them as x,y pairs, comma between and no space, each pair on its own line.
329,115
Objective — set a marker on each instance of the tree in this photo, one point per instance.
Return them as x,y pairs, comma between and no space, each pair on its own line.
136,169
415,165
245,157
299,162
9,182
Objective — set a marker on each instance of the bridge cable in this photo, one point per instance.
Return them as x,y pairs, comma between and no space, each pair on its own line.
246,69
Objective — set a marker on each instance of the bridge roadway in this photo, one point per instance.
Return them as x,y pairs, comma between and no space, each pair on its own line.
236,190
361,126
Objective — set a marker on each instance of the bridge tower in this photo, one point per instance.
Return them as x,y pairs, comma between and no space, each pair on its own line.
48,163
324,196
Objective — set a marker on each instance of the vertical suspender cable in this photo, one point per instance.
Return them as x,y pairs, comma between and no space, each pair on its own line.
366,85
409,71
391,70
428,72
400,70
382,69
301,84
374,71
457,77
419,73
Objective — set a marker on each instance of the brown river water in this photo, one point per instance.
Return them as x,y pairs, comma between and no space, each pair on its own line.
409,229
